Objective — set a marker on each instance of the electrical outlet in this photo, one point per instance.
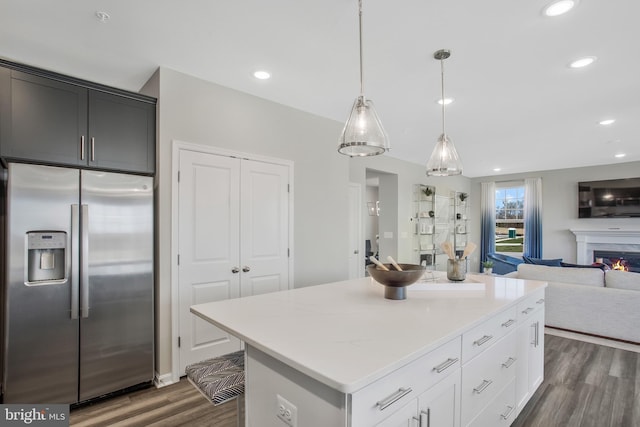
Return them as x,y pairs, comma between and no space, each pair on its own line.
286,411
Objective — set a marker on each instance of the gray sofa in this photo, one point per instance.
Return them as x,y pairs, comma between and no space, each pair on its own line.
589,300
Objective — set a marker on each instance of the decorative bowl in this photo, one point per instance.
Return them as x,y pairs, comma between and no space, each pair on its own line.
395,281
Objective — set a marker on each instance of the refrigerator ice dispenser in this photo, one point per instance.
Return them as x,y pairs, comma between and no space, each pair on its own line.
46,256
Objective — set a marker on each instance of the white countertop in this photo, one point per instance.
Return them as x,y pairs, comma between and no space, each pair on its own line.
347,335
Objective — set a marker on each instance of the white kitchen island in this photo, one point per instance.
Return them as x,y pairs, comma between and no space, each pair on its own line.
341,354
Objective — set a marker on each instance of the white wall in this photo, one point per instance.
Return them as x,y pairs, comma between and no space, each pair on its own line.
560,205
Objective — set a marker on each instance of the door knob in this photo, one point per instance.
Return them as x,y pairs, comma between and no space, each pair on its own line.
246,269
235,270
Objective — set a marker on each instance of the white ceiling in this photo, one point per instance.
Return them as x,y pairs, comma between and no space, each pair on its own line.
518,106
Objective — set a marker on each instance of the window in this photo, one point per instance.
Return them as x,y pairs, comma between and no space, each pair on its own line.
510,217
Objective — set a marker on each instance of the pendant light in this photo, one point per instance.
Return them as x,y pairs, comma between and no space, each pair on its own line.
444,160
363,134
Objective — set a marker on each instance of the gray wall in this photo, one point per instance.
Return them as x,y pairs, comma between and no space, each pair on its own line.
560,205
199,112
408,174
195,111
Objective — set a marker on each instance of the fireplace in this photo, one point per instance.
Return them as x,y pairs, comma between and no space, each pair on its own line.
627,261
611,242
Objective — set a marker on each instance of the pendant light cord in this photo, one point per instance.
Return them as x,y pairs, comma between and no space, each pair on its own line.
360,34
442,98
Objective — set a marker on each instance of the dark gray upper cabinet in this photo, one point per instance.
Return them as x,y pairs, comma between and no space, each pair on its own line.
45,119
121,133
48,120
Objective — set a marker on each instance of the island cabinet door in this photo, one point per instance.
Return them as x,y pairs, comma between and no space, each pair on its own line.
530,348
440,405
403,417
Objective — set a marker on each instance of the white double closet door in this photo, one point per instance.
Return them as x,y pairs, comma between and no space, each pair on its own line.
233,241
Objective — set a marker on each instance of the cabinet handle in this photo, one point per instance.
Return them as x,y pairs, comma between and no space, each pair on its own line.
482,387
82,147
246,269
426,417
508,323
509,362
482,340
527,311
235,270
507,414
93,149
385,403
540,301
536,341
444,365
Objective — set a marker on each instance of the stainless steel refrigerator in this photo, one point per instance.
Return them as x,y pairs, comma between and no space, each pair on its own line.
78,283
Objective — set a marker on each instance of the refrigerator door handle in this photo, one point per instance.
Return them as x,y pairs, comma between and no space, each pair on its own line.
84,267
75,262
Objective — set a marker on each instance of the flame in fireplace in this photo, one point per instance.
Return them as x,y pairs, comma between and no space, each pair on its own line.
618,265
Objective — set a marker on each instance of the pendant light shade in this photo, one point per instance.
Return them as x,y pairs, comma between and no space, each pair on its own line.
363,134
444,160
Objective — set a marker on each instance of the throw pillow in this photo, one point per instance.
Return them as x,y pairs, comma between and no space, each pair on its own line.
602,267
540,261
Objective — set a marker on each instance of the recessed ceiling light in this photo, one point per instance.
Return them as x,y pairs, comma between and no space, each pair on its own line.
583,62
262,75
102,16
497,169
607,122
559,7
620,155
447,101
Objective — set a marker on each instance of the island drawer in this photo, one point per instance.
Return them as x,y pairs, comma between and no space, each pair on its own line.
486,375
530,305
382,398
487,333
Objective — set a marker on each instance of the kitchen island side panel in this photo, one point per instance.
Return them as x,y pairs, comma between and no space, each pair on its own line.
315,404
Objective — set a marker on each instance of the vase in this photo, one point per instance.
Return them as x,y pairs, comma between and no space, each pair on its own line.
456,269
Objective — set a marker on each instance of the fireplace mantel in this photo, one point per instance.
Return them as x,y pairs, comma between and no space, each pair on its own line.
588,240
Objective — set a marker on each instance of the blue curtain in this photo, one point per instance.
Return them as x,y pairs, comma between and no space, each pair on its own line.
487,220
533,217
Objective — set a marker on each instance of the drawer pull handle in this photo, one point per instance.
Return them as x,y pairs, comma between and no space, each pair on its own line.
507,414
509,362
508,323
384,404
527,311
446,364
482,387
540,301
482,340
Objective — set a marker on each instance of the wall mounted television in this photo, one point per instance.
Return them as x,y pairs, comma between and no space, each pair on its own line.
613,198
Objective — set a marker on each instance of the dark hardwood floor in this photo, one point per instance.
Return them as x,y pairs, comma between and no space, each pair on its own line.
586,385
176,405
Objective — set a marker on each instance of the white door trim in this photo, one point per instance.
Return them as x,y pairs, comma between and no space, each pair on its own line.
177,146
355,227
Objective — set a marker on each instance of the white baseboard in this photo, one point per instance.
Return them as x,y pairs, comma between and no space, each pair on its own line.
163,380
593,340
